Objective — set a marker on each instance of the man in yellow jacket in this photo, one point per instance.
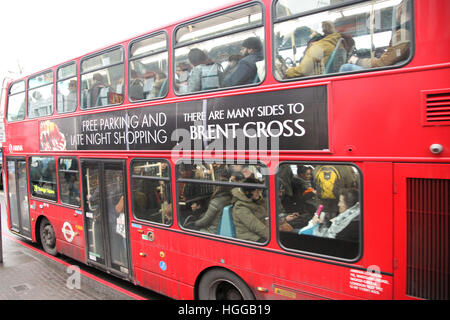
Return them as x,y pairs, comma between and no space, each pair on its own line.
317,55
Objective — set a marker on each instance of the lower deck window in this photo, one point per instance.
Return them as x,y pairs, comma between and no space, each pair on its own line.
229,200
150,191
319,209
43,177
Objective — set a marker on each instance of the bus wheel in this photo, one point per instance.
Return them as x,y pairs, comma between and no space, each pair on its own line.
48,238
220,284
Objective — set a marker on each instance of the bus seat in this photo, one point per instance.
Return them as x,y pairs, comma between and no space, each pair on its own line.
103,97
163,90
260,71
337,59
226,224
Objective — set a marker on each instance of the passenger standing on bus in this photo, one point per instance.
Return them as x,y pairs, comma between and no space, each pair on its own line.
70,103
250,215
399,46
98,84
246,70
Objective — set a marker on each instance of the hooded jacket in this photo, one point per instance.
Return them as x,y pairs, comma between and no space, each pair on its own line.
315,58
249,217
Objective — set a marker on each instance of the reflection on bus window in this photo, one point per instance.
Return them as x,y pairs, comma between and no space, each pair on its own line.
217,52
16,102
43,177
148,69
224,199
352,38
40,95
69,182
151,193
66,99
319,208
102,80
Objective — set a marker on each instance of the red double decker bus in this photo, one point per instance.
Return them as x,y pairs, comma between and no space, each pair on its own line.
266,150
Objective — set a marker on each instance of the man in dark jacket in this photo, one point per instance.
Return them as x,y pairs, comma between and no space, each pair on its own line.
246,70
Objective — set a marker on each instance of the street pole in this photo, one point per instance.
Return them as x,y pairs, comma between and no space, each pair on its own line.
1,250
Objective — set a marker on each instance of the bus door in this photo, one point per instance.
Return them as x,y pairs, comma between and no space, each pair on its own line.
421,231
105,215
18,196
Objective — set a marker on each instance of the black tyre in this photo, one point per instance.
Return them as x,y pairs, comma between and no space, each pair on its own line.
48,238
221,284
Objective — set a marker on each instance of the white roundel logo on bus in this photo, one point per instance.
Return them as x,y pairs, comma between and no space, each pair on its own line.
68,232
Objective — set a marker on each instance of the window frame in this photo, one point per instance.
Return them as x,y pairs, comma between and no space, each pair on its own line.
31,181
69,171
24,100
275,20
132,184
360,254
262,186
37,87
64,79
175,45
81,73
144,55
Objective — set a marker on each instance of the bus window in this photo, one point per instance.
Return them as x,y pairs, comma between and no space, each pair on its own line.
40,95
151,191
16,101
224,199
348,38
66,99
43,177
69,181
223,51
102,79
319,209
148,68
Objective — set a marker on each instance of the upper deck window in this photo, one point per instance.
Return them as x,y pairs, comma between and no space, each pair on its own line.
102,79
16,102
225,50
315,38
40,95
148,68
67,88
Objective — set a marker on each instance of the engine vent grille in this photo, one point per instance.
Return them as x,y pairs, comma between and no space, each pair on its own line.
437,108
428,206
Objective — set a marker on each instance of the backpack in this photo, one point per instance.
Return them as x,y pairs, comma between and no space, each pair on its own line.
328,181
211,76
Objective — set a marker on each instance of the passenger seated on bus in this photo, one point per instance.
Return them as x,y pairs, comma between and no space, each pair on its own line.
290,220
220,198
160,85
136,87
205,74
317,54
399,46
246,70
345,226
250,215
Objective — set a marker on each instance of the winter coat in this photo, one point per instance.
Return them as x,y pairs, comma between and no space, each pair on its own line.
397,50
345,220
249,217
315,58
245,72
210,220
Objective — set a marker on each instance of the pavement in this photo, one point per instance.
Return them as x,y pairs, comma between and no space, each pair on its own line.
29,274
